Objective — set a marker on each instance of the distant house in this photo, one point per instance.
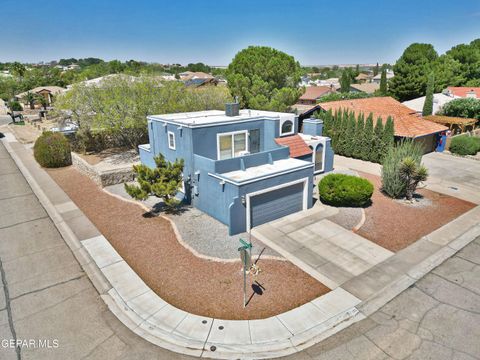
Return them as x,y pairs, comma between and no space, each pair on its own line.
242,167
368,88
463,92
363,78
377,78
313,93
48,92
99,81
197,82
190,75
407,123
439,100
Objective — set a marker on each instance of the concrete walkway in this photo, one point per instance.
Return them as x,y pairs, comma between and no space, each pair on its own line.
448,174
286,333
321,248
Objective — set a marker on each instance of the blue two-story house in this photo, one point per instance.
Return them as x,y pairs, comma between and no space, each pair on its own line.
242,167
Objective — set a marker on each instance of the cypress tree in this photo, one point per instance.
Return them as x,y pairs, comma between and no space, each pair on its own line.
341,138
327,123
376,70
428,104
358,139
367,138
345,81
388,139
378,148
335,130
349,135
383,82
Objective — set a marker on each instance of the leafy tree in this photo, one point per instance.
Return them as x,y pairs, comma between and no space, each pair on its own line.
383,83
344,96
30,98
428,104
411,173
163,181
18,69
264,78
448,72
411,69
465,108
345,82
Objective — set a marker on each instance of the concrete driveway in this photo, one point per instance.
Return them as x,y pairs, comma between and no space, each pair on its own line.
454,176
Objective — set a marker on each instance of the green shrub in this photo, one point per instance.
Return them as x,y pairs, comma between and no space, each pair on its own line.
465,145
392,182
52,150
15,106
345,190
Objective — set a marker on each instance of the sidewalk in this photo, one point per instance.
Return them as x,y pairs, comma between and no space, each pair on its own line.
160,323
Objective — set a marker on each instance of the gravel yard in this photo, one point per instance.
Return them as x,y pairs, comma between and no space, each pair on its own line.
201,232
196,285
394,224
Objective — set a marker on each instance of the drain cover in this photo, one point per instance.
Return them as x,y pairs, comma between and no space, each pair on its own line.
213,348
204,321
220,327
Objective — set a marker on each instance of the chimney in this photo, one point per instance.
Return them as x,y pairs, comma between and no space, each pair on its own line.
232,109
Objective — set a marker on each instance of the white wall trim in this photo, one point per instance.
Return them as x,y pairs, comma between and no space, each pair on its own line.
273,188
283,121
323,142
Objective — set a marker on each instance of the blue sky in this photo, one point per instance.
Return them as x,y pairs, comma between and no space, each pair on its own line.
314,32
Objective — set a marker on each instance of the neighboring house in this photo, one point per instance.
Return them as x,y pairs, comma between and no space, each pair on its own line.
48,92
313,93
363,78
439,100
189,75
368,88
407,124
197,82
463,92
242,167
377,78
99,81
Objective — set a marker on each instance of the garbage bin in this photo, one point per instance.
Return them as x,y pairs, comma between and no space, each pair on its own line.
441,141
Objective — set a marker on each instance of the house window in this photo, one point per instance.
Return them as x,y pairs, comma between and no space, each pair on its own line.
171,140
286,127
231,145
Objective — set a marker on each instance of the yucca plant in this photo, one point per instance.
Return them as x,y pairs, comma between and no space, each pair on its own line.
412,174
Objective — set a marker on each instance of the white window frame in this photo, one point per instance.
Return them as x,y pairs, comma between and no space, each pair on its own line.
174,146
314,155
281,126
232,133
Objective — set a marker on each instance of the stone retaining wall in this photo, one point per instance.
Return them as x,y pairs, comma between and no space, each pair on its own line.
103,177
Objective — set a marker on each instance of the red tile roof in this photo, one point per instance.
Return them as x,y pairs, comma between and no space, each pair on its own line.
406,122
314,92
297,146
462,91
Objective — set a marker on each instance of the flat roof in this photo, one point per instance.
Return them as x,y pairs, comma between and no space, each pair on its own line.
254,172
210,117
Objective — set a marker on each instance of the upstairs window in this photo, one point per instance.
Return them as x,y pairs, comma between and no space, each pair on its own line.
171,140
231,145
286,127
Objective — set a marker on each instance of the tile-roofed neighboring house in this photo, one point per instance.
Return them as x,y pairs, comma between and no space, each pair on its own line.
362,77
463,91
313,93
368,88
298,147
406,122
48,92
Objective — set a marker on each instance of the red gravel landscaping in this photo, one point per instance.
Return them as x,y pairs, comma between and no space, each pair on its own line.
199,286
395,225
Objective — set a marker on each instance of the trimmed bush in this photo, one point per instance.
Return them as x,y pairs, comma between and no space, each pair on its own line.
465,145
52,150
15,106
392,182
345,190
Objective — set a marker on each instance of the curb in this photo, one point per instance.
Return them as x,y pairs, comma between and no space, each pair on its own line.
131,301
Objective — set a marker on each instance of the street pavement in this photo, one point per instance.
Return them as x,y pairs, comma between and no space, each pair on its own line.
46,296
5,119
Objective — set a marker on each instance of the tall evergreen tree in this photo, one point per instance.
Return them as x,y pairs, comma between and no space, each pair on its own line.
376,70
358,140
367,138
428,104
327,123
349,135
383,82
345,81
378,148
388,139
